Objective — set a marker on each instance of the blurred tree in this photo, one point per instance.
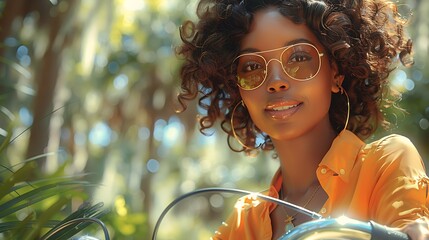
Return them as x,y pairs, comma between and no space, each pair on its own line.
97,81
418,100
54,32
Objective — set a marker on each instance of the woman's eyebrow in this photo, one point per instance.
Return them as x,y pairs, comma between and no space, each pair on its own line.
295,41
299,40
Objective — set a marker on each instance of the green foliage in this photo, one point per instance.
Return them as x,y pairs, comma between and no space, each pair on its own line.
30,206
129,226
115,89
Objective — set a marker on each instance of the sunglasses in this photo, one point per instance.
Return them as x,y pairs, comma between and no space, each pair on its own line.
300,62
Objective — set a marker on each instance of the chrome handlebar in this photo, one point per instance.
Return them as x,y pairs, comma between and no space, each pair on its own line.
330,228
343,228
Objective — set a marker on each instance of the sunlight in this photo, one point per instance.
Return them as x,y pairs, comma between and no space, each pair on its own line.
424,124
144,133
132,5
152,165
25,116
120,81
109,75
401,82
100,134
120,206
158,130
173,132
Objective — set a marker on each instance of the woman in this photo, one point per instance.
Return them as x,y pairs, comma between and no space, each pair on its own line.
309,80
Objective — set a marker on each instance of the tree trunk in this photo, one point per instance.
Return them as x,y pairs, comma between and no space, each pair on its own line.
46,77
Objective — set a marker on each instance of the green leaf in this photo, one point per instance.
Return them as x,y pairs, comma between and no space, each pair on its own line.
37,195
13,225
20,175
45,216
65,231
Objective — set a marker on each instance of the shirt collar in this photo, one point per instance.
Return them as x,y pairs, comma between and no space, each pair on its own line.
341,157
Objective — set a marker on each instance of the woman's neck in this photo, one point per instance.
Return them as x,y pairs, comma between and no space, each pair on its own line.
300,157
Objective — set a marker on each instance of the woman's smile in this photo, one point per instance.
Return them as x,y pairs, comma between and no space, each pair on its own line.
282,109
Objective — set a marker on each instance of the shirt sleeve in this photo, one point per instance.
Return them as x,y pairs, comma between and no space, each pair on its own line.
400,195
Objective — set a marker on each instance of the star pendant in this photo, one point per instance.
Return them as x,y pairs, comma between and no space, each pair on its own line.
289,225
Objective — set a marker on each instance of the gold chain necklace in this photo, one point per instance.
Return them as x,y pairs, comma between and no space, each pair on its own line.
289,219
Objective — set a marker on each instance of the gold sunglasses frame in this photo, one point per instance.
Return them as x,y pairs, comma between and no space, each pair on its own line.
285,48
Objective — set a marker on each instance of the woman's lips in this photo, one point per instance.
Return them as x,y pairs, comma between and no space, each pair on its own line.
282,110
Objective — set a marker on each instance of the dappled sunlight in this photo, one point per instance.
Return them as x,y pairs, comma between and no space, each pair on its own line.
401,82
97,82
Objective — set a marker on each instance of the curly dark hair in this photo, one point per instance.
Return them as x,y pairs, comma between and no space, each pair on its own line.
364,37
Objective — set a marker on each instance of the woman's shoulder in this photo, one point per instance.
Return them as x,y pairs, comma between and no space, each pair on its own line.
391,142
393,148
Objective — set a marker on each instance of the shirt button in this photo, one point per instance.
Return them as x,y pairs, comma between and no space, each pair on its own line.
323,171
342,171
323,210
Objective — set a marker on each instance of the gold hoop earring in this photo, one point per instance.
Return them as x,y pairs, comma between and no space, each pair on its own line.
343,92
232,126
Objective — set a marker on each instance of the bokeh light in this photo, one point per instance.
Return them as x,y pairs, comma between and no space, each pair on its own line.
100,135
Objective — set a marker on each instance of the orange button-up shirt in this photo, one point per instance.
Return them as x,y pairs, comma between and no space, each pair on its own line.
384,181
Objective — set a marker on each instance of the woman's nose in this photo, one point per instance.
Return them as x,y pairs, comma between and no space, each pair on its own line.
277,80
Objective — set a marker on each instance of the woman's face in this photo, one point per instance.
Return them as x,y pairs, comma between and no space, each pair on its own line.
283,107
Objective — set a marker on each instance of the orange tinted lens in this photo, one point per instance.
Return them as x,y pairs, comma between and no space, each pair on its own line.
301,61
250,71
